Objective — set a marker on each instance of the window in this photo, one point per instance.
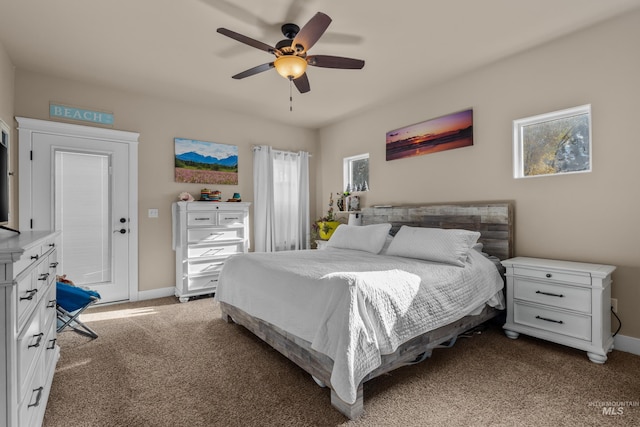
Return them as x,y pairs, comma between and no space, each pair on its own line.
356,173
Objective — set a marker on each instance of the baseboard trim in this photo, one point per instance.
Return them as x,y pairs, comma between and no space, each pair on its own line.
628,344
156,293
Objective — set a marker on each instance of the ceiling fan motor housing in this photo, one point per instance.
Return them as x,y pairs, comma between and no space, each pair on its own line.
290,31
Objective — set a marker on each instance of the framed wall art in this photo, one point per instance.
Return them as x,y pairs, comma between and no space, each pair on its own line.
439,134
553,143
201,162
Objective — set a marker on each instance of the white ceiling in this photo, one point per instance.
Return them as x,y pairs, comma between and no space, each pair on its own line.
170,48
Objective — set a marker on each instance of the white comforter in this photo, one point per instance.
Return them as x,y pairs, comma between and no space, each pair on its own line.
354,306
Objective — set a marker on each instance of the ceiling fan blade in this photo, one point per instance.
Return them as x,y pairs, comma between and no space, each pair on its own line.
311,32
302,83
254,70
246,40
328,61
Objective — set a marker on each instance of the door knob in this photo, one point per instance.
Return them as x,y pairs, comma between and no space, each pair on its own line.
123,220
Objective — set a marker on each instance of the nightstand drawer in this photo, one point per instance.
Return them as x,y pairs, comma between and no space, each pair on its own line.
573,325
569,297
578,278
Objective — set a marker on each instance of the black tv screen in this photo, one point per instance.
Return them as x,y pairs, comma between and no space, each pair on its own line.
4,178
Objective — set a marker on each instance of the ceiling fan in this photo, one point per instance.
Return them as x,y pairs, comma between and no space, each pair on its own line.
291,53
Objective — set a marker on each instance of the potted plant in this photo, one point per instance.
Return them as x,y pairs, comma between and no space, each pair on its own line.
325,226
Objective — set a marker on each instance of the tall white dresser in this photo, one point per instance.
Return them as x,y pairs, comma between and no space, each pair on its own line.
29,353
205,234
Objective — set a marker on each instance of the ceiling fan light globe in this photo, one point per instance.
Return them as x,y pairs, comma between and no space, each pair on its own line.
290,66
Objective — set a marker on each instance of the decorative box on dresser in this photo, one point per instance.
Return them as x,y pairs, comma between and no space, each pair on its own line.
29,353
204,235
561,301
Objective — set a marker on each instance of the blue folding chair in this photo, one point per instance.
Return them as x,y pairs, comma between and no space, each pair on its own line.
71,301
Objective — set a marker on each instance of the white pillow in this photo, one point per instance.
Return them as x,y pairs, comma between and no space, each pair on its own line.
369,238
433,244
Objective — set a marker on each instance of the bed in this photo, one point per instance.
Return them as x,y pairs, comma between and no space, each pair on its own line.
370,303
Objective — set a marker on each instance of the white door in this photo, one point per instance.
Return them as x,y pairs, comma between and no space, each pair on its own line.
80,186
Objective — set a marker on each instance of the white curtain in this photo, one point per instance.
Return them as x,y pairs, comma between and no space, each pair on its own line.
281,200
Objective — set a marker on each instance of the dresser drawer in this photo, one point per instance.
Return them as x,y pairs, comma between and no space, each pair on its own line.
569,297
206,267
573,325
230,218
29,345
49,343
42,277
34,398
202,218
49,306
206,235
203,282
580,278
27,296
29,257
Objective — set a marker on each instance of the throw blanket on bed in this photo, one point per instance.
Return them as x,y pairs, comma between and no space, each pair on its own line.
355,332
354,306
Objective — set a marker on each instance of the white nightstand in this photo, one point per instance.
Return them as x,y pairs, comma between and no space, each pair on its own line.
561,301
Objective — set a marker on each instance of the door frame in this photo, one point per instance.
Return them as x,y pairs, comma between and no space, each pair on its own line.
27,127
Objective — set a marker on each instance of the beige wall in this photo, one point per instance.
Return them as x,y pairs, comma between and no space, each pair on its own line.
7,75
158,121
591,217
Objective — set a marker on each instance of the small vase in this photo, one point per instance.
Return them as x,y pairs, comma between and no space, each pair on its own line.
326,229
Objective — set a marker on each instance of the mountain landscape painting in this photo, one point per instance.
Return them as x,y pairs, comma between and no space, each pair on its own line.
201,162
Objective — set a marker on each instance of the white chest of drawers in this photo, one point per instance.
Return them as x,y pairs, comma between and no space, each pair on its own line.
28,264
561,301
204,235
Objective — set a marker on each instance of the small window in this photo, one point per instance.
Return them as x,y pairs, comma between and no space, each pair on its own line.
356,173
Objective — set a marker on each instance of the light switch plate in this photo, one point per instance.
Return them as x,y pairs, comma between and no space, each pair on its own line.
153,213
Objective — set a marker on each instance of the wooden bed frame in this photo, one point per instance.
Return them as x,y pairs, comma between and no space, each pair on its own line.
494,220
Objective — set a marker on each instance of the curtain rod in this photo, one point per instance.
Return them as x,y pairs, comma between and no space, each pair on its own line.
259,147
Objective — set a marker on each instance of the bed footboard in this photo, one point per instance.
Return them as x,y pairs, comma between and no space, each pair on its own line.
320,366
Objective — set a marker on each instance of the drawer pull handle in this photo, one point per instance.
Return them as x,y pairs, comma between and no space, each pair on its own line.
548,275
52,303
31,293
202,219
35,256
52,245
53,344
39,390
37,344
549,320
53,264
550,294
43,276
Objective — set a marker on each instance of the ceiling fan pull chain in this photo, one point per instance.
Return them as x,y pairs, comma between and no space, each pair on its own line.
290,93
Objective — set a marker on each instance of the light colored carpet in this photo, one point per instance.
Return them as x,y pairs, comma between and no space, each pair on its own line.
163,363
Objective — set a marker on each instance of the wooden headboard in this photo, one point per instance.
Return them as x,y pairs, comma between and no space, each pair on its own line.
494,221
